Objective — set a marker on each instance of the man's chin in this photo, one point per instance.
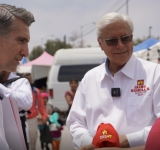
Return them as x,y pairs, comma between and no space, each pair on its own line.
11,69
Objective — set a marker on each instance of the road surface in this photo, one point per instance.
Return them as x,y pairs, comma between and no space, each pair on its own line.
66,141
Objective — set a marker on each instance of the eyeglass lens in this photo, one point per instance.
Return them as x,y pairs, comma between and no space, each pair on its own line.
114,41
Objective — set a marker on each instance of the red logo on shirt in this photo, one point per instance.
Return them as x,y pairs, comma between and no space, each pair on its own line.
140,88
140,82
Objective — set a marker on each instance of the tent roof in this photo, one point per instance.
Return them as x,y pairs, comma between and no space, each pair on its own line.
145,44
45,59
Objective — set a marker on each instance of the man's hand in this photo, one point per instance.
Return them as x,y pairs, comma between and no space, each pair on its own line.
123,141
87,147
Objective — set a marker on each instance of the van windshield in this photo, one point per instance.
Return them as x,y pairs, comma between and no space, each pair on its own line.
74,71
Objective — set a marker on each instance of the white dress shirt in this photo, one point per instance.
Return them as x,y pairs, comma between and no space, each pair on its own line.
132,114
3,142
20,91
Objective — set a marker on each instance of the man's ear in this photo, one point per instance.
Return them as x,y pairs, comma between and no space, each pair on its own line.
99,41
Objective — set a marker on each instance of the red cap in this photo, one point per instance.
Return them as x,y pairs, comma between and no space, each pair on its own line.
106,136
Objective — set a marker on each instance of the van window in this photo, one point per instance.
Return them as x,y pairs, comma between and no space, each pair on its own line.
74,71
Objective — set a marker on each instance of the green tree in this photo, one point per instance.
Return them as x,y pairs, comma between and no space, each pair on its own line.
51,46
36,52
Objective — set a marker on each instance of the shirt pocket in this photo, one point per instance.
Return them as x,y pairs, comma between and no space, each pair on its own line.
139,109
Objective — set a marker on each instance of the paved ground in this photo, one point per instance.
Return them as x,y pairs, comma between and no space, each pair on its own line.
66,141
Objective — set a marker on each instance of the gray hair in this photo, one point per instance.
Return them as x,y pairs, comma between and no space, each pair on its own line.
112,18
8,14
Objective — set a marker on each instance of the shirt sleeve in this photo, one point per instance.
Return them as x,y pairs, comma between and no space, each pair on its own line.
41,106
76,120
4,91
3,142
21,92
140,137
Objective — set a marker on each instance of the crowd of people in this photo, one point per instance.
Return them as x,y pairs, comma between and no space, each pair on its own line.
116,104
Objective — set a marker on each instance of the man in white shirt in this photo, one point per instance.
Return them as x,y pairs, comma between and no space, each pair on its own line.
14,38
123,91
19,91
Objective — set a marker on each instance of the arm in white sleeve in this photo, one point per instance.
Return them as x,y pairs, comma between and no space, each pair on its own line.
140,137
3,142
76,120
4,91
20,91
22,94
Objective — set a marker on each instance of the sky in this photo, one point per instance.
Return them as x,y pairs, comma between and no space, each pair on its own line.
56,18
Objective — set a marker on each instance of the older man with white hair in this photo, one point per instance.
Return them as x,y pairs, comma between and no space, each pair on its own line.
123,91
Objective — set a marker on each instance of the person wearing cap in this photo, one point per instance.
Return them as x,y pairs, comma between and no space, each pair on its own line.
152,142
44,128
123,91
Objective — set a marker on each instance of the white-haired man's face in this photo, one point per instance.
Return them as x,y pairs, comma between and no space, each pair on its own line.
118,51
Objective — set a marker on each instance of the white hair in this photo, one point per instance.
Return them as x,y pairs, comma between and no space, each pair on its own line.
112,18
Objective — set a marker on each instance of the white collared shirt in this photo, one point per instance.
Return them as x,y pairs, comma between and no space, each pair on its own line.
132,114
20,91
3,142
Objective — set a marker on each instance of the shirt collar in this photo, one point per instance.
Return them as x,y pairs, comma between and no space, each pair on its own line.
104,70
128,69
12,75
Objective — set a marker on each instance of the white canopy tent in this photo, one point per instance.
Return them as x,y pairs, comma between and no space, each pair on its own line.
152,53
39,72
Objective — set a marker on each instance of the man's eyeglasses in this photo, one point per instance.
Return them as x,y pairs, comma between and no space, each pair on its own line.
124,39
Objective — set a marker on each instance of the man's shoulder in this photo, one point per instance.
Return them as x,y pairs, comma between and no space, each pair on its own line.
95,71
147,64
94,74
15,79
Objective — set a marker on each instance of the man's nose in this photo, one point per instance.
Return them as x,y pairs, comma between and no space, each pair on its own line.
25,50
120,44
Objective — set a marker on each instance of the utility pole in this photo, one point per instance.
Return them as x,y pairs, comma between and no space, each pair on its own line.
150,31
127,7
81,36
82,31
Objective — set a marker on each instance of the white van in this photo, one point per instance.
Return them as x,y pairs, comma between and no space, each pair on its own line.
68,64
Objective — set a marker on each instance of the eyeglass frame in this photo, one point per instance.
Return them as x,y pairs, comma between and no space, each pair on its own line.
131,35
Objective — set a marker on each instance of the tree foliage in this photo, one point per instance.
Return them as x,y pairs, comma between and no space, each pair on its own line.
51,46
36,52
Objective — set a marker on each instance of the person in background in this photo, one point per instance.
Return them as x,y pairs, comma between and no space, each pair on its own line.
69,95
43,127
152,142
37,106
123,91
14,38
55,127
20,91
